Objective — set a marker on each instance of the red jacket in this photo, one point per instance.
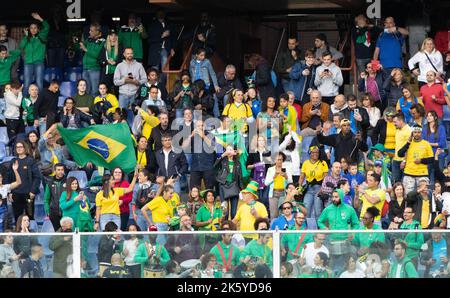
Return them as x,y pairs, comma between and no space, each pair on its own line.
442,41
433,104
298,108
124,208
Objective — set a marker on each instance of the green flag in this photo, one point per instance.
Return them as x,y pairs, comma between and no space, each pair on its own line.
107,146
236,140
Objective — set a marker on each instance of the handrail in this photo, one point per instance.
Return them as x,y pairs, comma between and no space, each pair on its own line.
184,64
352,62
278,48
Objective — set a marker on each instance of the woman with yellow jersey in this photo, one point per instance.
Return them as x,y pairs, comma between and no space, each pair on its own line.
238,111
313,171
107,201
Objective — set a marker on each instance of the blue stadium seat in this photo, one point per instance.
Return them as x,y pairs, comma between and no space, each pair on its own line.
67,88
73,74
61,100
52,73
96,174
81,177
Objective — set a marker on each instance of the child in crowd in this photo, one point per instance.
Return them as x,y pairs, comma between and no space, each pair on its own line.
354,177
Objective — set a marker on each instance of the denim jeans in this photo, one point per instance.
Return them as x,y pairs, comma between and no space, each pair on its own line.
447,128
234,201
161,239
216,111
107,217
42,126
33,73
312,202
124,102
396,172
141,221
93,79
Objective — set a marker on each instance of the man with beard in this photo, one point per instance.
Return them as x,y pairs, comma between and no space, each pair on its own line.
345,143
358,116
154,142
402,267
185,246
292,244
418,155
53,190
128,76
62,247
338,216
227,254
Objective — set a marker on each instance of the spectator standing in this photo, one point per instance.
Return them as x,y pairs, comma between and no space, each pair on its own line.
8,59
131,36
228,80
314,113
46,107
389,46
109,58
54,188
328,78
28,106
301,77
286,60
405,103
371,81
31,267
128,76
92,47
263,77
433,94
393,86
201,69
397,206
73,204
11,45
125,200
62,247
428,58
322,46
205,35
364,37
33,45
402,134
402,266
13,99
414,241
160,41
419,155
84,100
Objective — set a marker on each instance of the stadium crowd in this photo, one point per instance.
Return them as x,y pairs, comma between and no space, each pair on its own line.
288,153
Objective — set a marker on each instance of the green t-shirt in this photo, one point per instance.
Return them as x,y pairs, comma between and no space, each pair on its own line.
226,249
414,240
366,239
204,214
230,171
254,249
295,242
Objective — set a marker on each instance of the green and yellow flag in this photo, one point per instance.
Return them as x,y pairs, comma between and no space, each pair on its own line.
107,146
235,139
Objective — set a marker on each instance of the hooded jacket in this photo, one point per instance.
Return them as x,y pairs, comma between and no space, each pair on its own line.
344,145
329,86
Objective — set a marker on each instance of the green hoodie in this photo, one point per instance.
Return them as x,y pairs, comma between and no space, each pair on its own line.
5,66
414,240
341,217
90,58
34,48
407,269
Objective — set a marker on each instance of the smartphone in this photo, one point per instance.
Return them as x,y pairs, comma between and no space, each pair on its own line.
356,111
326,70
130,75
283,170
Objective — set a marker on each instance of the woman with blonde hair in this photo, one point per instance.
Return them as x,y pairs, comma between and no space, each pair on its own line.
109,58
428,58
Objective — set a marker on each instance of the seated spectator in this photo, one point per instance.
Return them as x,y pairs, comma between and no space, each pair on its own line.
433,94
238,111
310,250
339,105
351,269
84,100
358,116
151,255
228,80
202,101
417,112
116,270
23,244
7,255
153,100
402,266
31,267
314,113
62,247
405,103
288,114
262,76
373,113
72,117
286,220
182,94
259,250
105,104
397,206
328,78
436,256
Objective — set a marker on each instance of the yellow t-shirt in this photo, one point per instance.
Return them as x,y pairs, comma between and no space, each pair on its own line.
417,150
247,220
366,204
278,182
401,137
234,112
389,143
316,171
142,158
109,205
112,100
425,217
160,210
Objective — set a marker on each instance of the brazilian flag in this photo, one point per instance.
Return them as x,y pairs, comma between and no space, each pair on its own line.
107,146
235,139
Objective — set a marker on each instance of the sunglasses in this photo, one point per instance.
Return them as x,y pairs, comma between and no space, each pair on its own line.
287,208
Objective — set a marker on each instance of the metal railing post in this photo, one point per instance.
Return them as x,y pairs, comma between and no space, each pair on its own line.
276,253
76,255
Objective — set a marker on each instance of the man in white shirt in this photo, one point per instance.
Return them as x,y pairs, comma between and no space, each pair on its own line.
310,250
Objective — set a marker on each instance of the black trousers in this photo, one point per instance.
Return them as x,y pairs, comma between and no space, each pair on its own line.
22,205
124,221
207,176
55,219
14,127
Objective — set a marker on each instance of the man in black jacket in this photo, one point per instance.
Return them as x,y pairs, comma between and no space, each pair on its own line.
359,119
345,144
227,82
46,107
170,164
154,142
160,40
53,190
286,60
421,201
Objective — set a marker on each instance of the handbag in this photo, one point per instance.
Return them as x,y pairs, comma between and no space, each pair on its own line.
230,190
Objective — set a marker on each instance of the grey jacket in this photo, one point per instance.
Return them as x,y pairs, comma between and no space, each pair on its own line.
329,86
121,73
